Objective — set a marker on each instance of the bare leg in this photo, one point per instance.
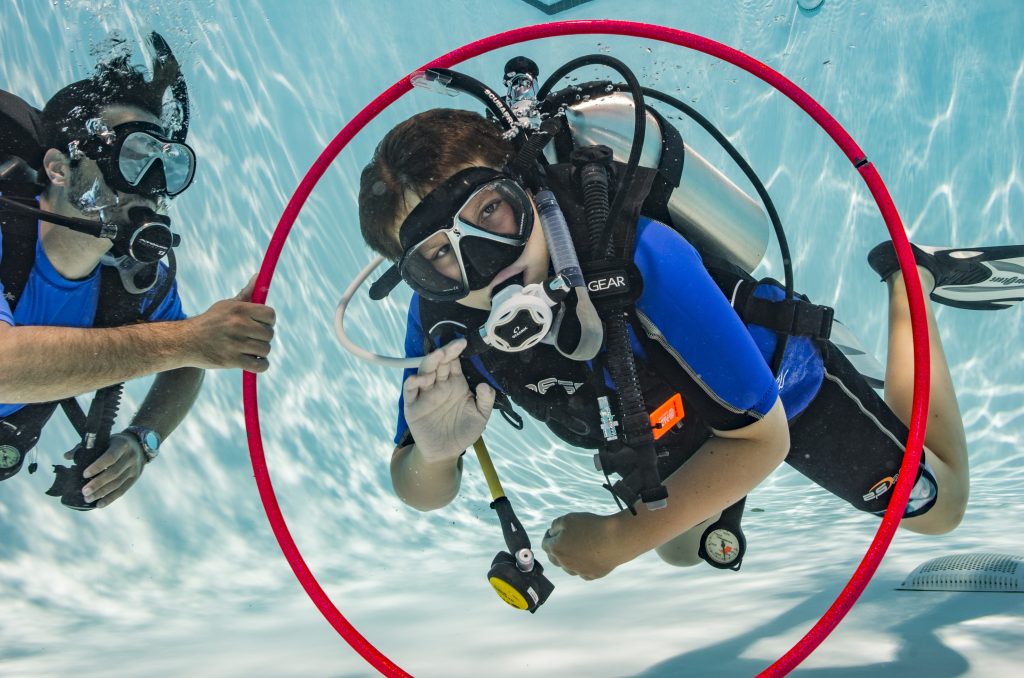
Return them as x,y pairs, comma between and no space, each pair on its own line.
945,441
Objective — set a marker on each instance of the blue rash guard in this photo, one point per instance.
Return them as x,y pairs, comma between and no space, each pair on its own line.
51,300
683,309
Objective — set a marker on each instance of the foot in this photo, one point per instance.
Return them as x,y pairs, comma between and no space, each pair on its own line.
981,278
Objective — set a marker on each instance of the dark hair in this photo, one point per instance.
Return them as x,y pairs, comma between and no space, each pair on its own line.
416,156
115,82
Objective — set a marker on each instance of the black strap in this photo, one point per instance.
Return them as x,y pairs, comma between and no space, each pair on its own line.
670,170
19,254
116,306
793,317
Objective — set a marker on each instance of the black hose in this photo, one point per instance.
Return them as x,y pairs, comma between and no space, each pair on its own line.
481,92
636,425
639,126
594,182
107,401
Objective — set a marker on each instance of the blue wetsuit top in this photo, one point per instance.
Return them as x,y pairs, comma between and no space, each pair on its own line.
688,310
49,299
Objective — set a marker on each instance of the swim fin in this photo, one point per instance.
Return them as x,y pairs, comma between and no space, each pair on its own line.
976,278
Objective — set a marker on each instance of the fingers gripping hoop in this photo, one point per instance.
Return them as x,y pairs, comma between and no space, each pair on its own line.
868,565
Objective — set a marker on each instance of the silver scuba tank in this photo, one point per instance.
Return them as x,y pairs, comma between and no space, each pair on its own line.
712,212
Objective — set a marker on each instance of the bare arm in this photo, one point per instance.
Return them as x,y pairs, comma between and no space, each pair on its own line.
50,363
726,468
169,399
445,418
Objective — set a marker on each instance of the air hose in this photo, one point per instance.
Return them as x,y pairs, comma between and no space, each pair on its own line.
95,440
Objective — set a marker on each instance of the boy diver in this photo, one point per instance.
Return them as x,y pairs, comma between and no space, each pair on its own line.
441,197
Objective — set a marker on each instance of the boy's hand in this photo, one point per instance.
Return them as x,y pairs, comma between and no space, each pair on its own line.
444,417
586,545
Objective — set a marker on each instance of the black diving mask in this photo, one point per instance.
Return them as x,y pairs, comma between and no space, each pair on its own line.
463,233
137,157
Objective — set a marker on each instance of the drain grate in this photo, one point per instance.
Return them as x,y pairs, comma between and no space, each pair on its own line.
968,572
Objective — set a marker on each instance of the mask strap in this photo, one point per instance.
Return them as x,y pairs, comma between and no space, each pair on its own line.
383,286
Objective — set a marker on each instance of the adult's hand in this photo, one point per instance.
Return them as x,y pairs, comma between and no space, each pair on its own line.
114,472
444,416
233,333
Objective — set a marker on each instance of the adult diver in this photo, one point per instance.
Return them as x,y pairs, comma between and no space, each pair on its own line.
695,382
88,300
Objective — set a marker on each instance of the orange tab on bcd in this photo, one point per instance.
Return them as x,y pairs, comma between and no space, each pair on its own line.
668,415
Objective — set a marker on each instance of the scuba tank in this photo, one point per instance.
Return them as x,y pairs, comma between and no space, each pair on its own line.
710,211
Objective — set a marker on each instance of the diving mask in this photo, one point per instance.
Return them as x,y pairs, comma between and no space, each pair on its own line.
464,233
137,157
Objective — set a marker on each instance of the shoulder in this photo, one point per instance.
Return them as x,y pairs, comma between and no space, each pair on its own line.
662,250
668,261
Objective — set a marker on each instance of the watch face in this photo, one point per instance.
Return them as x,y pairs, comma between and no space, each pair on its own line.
9,456
152,442
722,546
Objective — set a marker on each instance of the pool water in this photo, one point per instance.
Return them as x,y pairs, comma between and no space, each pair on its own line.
184,575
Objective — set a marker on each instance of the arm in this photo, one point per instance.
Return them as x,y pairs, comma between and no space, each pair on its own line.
445,418
50,363
169,399
726,468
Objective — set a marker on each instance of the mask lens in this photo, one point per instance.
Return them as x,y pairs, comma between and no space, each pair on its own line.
497,208
140,151
432,267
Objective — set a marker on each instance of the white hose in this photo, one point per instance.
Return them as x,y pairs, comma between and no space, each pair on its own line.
339,324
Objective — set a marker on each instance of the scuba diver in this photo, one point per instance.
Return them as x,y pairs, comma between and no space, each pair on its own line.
695,382
88,301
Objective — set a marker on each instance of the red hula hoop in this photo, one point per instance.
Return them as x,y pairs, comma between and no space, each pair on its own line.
901,493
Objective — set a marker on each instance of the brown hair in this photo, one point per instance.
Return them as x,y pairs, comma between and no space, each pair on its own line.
415,157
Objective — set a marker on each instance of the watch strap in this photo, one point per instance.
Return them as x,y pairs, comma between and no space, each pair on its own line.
148,439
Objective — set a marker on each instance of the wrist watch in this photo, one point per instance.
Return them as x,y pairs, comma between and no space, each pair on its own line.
148,439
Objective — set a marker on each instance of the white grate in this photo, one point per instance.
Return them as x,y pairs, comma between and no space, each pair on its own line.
968,572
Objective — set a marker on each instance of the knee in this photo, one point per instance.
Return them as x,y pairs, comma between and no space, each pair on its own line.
944,517
952,512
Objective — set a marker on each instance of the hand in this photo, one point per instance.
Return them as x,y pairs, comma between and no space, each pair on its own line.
233,333
114,472
443,415
585,545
